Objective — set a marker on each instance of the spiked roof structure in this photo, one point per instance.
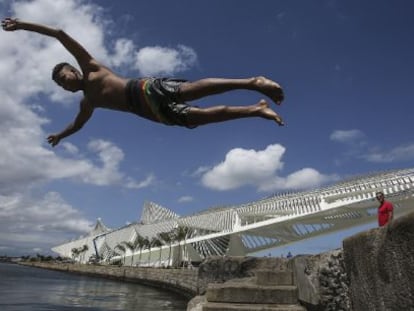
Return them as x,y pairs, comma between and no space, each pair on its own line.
99,228
248,228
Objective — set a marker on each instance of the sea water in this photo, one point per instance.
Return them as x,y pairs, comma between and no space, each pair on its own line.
25,288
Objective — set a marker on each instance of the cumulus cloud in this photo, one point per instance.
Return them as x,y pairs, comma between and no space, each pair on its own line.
26,221
243,167
70,148
259,169
23,167
200,171
124,49
158,60
305,178
110,157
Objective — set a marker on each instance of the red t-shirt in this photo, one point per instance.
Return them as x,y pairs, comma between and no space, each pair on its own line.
384,213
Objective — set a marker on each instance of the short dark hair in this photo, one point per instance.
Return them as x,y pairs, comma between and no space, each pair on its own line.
379,193
58,68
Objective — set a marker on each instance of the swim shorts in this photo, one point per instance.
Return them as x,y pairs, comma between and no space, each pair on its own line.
159,95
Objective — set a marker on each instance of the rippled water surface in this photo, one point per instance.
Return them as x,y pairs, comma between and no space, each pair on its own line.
28,288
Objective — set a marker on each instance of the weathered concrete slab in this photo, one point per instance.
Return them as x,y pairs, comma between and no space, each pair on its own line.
210,306
273,278
235,292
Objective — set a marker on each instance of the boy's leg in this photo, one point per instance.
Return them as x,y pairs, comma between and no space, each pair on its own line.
200,116
189,91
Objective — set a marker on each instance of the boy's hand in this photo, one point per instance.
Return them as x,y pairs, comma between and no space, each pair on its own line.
9,24
53,140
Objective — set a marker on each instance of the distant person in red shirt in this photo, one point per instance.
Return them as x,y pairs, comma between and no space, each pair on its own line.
385,210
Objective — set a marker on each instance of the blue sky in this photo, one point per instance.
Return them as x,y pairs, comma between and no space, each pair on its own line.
346,68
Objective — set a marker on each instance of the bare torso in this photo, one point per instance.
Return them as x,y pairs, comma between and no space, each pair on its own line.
105,89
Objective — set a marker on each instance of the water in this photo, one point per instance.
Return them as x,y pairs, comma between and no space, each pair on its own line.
32,289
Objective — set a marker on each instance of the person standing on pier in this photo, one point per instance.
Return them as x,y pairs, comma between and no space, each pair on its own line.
385,210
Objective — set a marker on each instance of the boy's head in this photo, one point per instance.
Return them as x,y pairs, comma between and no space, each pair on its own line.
380,196
67,76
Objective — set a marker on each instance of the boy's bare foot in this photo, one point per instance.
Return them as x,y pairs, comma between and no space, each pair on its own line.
270,89
267,113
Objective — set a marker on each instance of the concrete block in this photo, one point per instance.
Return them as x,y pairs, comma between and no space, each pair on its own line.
250,293
278,277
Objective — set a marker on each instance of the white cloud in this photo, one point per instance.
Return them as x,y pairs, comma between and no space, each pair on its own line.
69,147
101,167
124,49
110,157
158,60
200,170
305,178
244,167
185,199
260,169
346,136
25,163
357,147
148,181
397,154
26,220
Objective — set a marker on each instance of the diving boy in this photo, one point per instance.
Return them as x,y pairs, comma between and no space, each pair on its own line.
161,100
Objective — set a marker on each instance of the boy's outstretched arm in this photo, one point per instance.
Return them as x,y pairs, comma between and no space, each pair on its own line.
83,116
75,48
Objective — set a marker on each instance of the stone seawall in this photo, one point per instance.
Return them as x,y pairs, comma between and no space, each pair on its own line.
182,281
380,267
190,282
